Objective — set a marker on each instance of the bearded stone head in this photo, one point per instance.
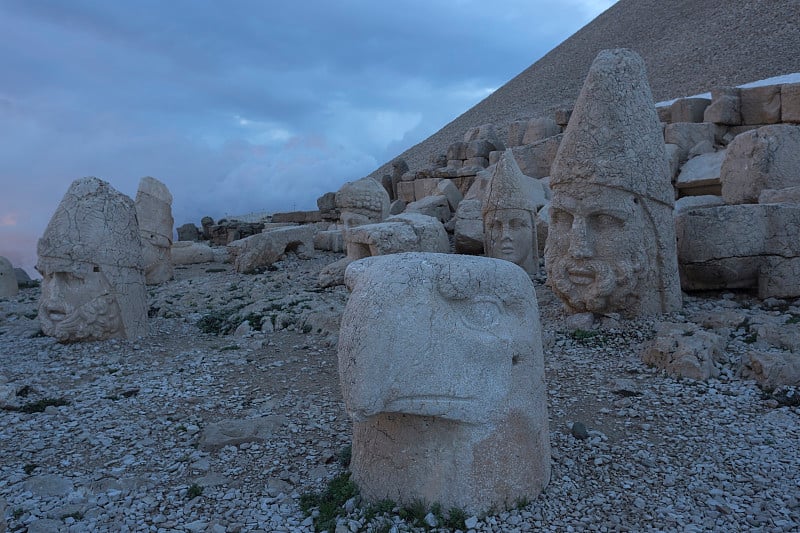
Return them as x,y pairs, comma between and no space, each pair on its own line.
90,259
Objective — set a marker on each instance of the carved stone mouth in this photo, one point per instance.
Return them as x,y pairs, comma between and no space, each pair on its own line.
56,315
431,405
581,276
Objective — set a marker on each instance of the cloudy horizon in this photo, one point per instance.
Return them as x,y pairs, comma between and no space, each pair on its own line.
247,107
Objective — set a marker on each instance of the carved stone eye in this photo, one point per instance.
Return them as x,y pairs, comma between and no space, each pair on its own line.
483,314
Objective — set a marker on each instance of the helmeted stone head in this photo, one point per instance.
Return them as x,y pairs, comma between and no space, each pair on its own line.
154,212
611,241
90,259
509,217
442,372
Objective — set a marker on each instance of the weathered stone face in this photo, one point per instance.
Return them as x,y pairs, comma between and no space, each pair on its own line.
603,251
509,216
611,241
90,258
441,367
510,235
79,306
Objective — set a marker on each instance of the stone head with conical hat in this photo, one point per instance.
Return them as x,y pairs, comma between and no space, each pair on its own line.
90,258
611,242
360,202
509,216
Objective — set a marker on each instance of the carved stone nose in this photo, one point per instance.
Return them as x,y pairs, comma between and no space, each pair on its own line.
580,246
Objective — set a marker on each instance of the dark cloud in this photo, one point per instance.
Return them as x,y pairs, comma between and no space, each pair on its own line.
244,105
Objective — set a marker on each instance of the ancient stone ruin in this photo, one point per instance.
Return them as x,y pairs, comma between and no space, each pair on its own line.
8,279
611,240
509,217
154,213
360,202
90,259
441,367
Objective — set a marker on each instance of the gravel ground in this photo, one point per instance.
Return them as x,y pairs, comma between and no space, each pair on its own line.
689,48
129,449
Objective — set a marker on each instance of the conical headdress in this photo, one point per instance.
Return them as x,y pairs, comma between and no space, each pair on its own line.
505,189
614,137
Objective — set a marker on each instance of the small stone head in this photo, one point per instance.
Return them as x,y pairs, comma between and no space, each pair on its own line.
509,217
90,259
154,213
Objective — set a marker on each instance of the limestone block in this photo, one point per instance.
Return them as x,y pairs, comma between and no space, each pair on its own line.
790,102
457,151
92,237
761,105
664,114
516,132
688,109
685,350
264,249
725,107
327,202
766,158
540,129
455,413
686,135
408,176
740,246
778,277
190,253
772,370
405,191
154,213
700,175
468,229
475,163
433,206
479,148
298,217
188,232
406,232
455,164
451,192
693,202
397,207
535,159
789,195
562,116
484,132
8,279
330,240
425,187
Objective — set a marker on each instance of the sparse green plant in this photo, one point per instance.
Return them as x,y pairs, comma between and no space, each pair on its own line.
793,319
522,503
29,468
583,334
229,348
345,455
414,513
750,339
329,502
194,491
382,507
18,512
456,519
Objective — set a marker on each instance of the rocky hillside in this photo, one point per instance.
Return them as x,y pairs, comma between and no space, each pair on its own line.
689,47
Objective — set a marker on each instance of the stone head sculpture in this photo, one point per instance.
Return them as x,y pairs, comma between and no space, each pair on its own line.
360,202
90,259
154,212
611,241
442,372
8,279
509,217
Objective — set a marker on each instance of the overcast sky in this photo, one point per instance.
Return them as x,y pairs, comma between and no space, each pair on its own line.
241,106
